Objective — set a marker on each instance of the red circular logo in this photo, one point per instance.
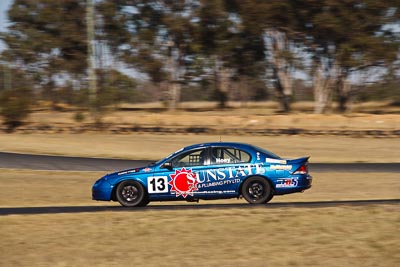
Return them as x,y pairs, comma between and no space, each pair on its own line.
183,182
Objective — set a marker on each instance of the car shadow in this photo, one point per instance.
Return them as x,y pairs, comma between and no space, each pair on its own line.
91,209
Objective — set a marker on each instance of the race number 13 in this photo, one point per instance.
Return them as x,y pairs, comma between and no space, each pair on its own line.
157,184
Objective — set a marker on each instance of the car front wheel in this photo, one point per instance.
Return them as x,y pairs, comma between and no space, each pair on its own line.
131,194
257,190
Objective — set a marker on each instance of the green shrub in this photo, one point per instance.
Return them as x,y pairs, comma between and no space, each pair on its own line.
79,116
14,107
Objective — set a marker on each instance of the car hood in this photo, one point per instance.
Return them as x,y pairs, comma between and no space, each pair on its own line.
145,169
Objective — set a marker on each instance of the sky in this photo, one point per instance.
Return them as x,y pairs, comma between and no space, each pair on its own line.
4,6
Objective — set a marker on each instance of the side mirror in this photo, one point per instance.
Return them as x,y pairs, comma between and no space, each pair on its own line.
167,165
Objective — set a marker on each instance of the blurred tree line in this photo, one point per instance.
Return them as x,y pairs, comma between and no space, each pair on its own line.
202,49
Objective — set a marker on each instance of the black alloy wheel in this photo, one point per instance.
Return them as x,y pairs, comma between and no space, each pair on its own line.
257,190
131,194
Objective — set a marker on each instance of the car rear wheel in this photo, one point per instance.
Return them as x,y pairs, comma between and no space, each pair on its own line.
257,190
131,194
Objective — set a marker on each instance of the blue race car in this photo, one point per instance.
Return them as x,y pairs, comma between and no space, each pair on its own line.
207,171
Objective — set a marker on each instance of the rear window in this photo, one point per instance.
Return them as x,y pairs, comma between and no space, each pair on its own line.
266,152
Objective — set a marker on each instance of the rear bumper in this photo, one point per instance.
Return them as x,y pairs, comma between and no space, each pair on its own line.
308,182
293,184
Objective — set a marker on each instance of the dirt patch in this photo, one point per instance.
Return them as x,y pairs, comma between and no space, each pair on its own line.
203,118
339,125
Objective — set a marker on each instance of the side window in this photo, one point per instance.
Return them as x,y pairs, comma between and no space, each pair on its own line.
190,158
223,155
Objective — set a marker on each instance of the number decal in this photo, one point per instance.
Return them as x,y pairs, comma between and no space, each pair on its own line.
157,184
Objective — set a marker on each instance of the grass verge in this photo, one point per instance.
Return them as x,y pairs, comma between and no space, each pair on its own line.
153,146
343,236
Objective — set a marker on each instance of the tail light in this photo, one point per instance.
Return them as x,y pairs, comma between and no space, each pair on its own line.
303,169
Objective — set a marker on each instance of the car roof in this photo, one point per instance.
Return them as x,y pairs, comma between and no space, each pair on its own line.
220,144
243,146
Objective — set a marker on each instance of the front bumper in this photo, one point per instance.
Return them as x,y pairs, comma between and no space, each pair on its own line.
102,190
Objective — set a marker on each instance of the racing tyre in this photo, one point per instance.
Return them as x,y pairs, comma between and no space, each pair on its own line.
257,190
131,194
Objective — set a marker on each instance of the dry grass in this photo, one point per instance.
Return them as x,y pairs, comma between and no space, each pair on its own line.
200,114
203,114
252,115
153,146
342,236
255,116
29,188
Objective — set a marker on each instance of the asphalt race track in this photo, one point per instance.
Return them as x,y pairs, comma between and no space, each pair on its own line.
44,162
78,209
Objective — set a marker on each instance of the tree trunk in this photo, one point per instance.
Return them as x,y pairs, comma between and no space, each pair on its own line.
281,68
284,97
175,69
322,91
343,89
174,95
222,82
